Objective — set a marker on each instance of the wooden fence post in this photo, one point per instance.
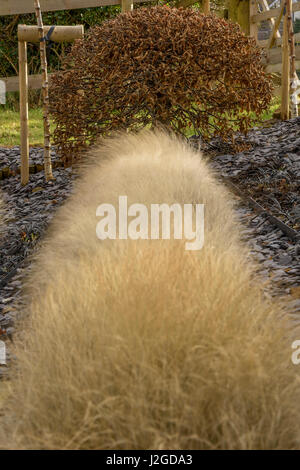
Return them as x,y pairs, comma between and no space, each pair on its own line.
253,10
23,87
32,34
206,7
243,16
285,80
126,5
239,12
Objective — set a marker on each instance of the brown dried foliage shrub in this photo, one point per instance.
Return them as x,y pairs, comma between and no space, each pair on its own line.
165,65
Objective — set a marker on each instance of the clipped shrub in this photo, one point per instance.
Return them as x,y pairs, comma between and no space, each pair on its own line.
177,67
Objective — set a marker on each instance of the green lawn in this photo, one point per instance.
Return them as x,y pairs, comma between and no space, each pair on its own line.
10,127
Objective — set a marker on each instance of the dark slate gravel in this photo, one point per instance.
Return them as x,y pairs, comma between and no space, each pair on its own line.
270,172
277,256
10,158
28,211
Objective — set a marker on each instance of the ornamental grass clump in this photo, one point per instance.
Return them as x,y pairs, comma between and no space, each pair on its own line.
176,67
134,344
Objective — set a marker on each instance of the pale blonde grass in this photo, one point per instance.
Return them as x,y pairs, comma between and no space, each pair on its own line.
141,344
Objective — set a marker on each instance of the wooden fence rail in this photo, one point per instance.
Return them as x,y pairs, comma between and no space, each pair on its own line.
272,13
19,7
274,56
278,41
12,83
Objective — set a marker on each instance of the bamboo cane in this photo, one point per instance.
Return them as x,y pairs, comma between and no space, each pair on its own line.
293,74
45,90
30,33
285,88
23,87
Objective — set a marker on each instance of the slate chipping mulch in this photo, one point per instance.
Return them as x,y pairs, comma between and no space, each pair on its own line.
10,157
28,211
270,171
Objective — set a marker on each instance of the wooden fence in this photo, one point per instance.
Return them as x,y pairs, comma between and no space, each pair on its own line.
16,7
281,54
30,33
246,12
273,53
19,7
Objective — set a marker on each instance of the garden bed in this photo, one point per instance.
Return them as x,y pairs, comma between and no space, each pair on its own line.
270,171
